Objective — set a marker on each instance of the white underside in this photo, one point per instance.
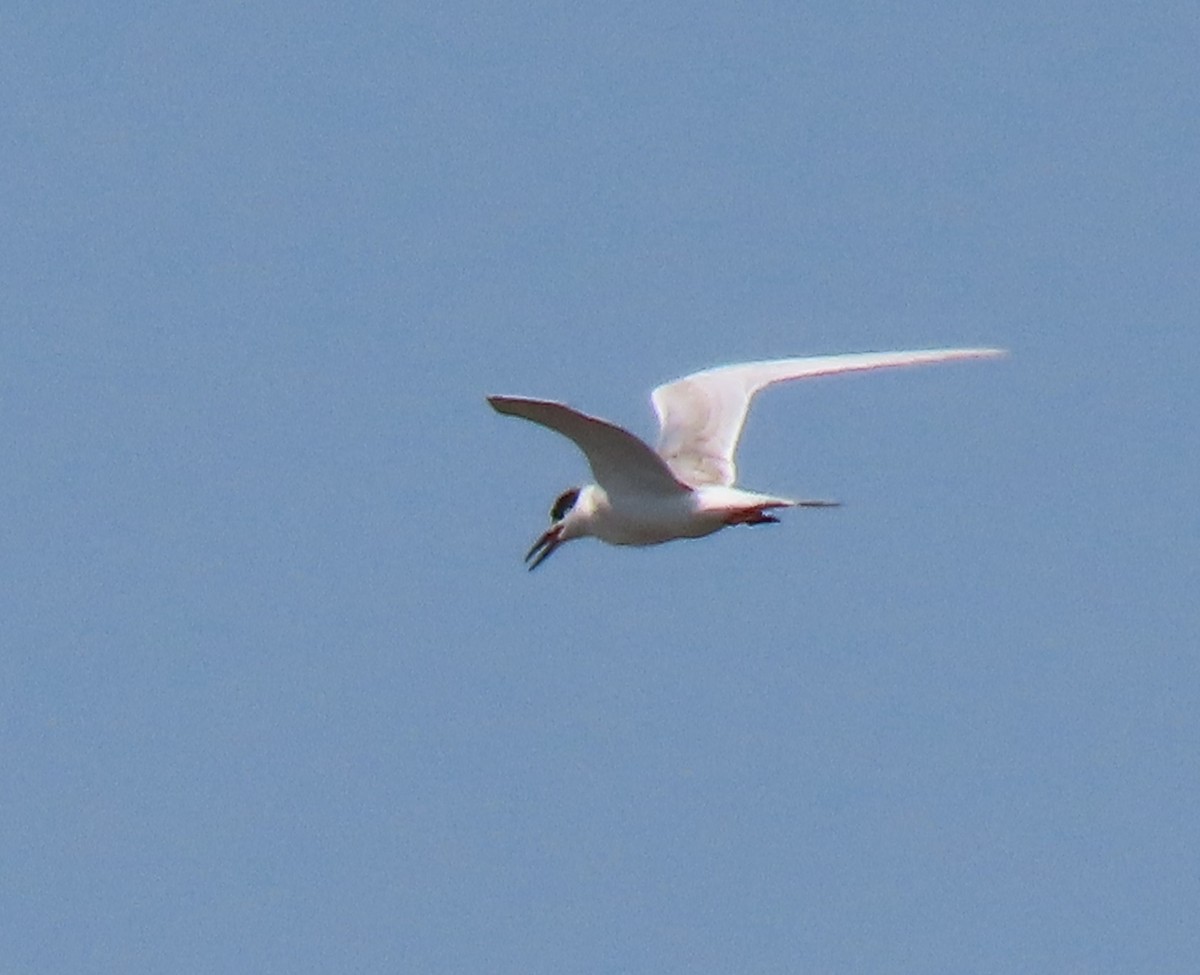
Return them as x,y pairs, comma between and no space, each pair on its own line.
651,520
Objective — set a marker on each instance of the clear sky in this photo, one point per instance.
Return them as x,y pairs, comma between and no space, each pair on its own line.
276,693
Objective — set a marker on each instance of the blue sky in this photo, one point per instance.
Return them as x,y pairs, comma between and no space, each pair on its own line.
276,693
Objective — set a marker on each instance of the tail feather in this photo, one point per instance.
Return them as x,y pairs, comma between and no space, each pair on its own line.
769,502
756,514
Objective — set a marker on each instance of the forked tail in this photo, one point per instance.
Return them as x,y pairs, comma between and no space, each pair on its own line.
757,514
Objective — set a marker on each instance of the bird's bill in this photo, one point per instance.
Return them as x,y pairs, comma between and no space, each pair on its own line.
544,547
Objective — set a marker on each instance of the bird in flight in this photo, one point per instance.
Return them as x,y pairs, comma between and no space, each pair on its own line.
684,488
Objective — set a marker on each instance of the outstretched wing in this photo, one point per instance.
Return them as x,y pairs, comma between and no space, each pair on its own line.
701,415
620,462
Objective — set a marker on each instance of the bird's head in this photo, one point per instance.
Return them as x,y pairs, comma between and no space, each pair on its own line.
566,522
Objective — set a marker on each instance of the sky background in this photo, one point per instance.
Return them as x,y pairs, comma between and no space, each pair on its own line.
276,692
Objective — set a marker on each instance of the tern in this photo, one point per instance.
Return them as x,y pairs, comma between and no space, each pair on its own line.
685,488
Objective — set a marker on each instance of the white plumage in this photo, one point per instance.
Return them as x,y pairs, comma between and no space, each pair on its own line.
685,488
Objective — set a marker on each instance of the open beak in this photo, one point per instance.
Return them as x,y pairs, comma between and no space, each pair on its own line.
544,546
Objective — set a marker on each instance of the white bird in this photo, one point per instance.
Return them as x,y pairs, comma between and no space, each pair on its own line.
686,488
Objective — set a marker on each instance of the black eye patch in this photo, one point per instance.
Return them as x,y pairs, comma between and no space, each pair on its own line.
564,503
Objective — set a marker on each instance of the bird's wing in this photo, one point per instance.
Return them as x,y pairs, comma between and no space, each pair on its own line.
701,415
620,462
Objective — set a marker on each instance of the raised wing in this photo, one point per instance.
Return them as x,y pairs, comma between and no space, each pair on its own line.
701,415
620,462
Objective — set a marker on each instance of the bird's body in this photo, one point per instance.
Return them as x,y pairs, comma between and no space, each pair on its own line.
685,489
650,519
